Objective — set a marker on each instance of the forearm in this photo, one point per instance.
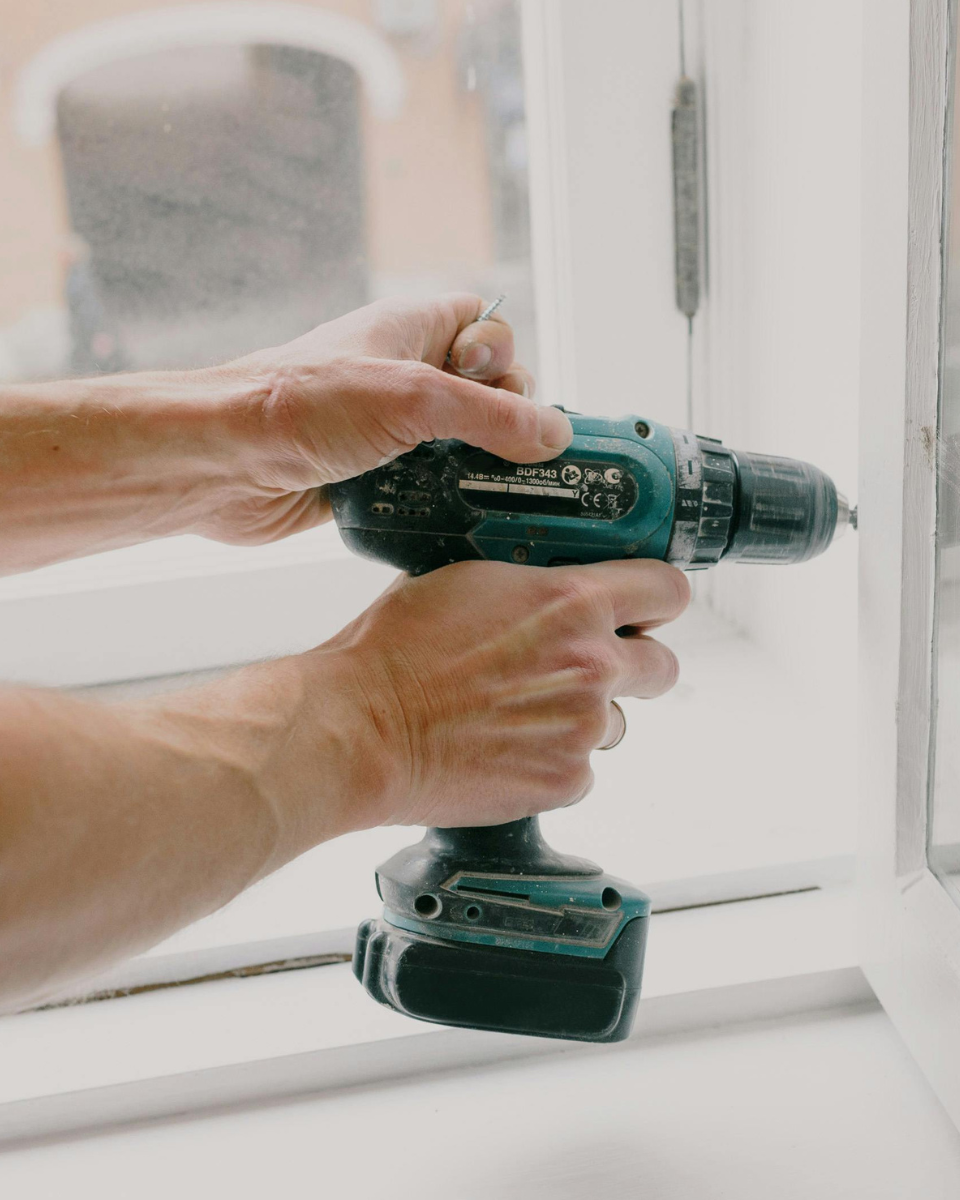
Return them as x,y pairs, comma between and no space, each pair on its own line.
94,464
122,824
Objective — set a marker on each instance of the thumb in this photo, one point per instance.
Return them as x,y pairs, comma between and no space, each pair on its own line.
505,424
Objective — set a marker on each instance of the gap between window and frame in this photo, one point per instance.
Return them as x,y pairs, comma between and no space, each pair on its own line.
326,947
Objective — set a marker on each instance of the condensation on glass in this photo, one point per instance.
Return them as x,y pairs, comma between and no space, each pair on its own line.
943,850
189,199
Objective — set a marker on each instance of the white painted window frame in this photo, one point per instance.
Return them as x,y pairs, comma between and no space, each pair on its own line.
910,926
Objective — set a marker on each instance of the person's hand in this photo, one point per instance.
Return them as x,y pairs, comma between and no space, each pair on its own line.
470,696
243,452
359,391
488,685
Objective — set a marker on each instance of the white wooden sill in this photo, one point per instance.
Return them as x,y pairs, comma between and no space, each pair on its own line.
194,1048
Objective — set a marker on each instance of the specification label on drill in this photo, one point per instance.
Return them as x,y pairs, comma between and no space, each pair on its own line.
565,487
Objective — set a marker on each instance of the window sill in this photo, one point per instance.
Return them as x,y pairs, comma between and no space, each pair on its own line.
244,1041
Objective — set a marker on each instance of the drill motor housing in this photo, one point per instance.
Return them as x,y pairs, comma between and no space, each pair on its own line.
625,488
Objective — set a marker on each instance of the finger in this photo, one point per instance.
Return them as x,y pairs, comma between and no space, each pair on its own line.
484,350
518,379
408,326
443,319
642,591
649,668
500,421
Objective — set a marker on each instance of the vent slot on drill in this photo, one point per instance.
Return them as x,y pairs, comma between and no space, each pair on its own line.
482,891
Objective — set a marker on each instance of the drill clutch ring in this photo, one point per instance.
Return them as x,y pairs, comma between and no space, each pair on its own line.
623,729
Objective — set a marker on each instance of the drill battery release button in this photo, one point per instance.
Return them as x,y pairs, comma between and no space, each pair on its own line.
491,928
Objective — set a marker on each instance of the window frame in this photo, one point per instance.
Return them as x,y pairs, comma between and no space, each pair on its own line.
910,927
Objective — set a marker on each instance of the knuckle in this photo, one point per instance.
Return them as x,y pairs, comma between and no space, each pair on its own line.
516,418
411,392
594,664
416,378
463,303
576,594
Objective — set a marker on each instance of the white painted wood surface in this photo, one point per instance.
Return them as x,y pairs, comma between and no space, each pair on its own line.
600,82
776,342
829,1107
911,927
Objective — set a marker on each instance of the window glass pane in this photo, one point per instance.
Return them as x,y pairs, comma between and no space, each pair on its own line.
944,825
184,186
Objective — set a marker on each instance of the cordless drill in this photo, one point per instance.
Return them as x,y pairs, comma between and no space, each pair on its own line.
491,928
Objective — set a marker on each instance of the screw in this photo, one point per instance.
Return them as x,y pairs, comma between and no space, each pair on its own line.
492,308
485,315
642,428
520,554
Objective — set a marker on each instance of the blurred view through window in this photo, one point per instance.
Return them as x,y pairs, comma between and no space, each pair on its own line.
175,198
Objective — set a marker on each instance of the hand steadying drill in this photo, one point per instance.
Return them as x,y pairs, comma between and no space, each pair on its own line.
471,696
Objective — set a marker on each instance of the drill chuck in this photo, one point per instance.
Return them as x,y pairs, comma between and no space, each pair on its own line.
750,508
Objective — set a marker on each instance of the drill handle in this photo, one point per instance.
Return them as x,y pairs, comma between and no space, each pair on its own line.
515,848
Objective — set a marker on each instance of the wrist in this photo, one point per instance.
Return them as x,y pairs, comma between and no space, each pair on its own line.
329,771
293,734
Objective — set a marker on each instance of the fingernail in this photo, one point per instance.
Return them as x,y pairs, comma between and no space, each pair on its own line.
556,432
474,359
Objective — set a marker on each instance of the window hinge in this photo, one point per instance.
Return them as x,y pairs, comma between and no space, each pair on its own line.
686,195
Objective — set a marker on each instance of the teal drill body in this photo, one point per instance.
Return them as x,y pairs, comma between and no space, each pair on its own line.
626,487
611,495
491,928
